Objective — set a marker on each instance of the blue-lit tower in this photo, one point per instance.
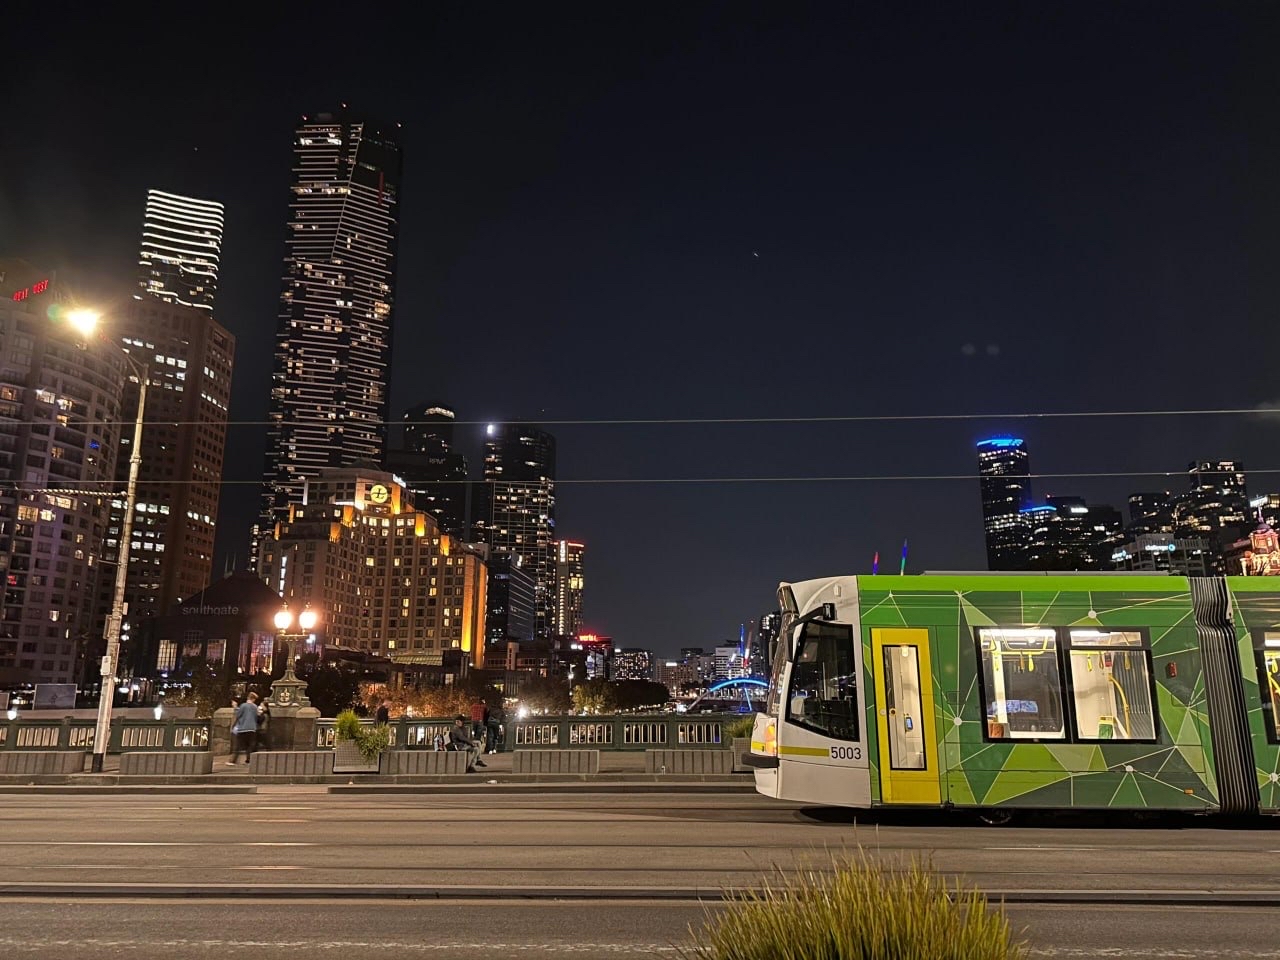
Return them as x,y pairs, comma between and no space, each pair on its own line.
1004,470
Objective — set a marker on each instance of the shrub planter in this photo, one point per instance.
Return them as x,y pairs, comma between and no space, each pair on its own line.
347,758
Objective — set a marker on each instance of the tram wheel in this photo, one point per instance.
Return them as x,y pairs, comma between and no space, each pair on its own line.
996,817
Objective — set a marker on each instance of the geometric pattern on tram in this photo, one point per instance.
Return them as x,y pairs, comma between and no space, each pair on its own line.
1174,773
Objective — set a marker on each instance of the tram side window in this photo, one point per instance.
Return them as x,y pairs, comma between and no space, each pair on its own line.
1111,685
824,692
1021,683
1268,645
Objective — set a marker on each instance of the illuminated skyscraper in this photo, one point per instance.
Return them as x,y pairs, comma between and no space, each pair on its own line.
181,247
1004,470
329,389
515,510
569,586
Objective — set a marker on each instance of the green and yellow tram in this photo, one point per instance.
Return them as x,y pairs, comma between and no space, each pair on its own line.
999,692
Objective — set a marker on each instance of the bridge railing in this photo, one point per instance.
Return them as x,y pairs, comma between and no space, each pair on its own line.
127,735
613,732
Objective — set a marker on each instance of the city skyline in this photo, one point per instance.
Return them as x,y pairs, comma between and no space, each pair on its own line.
589,251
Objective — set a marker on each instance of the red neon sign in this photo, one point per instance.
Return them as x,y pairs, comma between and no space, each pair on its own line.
40,286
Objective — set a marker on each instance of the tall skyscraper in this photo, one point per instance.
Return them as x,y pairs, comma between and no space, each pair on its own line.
1004,470
425,460
515,509
330,385
59,439
181,248
189,358
1150,513
570,582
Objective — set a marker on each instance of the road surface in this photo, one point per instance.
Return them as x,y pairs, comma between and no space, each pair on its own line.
302,872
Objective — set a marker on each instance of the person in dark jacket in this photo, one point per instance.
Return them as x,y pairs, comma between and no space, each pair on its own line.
383,714
460,739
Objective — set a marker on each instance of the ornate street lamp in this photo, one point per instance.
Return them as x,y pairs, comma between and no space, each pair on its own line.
289,691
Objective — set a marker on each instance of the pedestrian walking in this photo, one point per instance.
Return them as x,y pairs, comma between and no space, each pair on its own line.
244,731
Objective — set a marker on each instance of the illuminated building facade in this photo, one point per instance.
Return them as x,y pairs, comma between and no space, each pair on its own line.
181,248
1150,512
1068,534
59,439
570,557
1165,553
515,509
329,387
1218,499
383,576
1004,471
430,468
1257,555
633,663
189,358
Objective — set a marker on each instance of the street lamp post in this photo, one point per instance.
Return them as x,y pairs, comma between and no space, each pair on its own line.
86,321
289,691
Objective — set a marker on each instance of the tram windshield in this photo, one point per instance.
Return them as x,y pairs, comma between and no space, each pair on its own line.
824,683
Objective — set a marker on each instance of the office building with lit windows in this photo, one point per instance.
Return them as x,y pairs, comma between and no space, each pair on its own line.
1066,533
189,357
59,438
570,582
1217,503
633,663
514,509
329,386
382,576
1004,470
181,249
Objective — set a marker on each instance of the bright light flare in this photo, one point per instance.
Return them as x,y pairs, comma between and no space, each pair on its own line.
307,619
84,322
283,619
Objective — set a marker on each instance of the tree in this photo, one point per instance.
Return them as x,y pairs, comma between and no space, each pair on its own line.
545,695
210,689
594,696
331,687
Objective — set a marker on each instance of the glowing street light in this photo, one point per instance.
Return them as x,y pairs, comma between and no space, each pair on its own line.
289,691
85,322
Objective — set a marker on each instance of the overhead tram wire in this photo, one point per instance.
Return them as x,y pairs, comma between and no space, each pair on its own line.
618,481
711,421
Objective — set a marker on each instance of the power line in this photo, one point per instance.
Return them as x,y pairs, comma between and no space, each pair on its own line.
839,478
707,421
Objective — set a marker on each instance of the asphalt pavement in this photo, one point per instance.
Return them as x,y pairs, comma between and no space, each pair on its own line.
568,872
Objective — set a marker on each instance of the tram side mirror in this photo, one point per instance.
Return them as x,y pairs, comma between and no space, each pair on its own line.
828,611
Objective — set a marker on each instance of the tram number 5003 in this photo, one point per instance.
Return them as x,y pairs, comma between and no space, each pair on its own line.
846,753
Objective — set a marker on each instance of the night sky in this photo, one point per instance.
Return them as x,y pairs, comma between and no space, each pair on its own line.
729,210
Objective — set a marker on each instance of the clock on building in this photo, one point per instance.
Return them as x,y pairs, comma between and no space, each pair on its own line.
378,493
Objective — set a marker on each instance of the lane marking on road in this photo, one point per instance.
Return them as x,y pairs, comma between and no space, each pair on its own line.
279,820
272,866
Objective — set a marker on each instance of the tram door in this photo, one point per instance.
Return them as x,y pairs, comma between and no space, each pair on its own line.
909,766
821,743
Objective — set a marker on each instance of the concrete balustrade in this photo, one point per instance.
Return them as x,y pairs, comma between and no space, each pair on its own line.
555,761
41,762
688,761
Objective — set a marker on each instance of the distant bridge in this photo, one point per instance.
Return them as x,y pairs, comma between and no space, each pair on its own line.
746,686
